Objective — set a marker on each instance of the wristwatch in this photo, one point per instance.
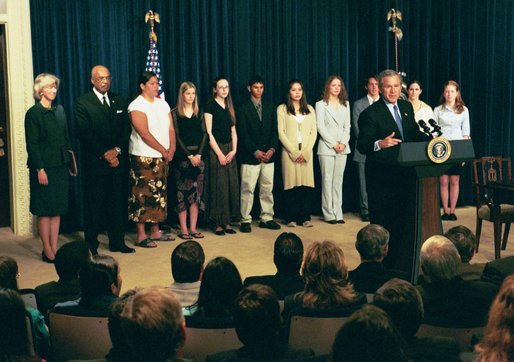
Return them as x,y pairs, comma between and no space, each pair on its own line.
118,150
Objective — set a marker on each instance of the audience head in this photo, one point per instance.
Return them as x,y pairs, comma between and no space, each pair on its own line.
288,253
257,317
402,302
148,84
439,259
187,95
221,282
498,341
8,273
119,345
326,276
221,90
187,262
296,94
13,328
464,240
451,94
372,242
70,258
101,78
153,325
99,277
334,85
414,90
372,85
42,81
368,335
256,87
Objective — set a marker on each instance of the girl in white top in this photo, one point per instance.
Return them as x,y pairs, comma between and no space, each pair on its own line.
151,148
333,123
422,111
453,118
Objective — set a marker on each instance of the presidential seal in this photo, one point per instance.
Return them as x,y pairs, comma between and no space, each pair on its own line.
439,150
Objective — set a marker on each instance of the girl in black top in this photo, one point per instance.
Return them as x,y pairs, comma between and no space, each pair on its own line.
188,164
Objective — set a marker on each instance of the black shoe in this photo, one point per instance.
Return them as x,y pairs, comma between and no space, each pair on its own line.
230,231
220,232
333,222
341,221
446,217
270,224
245,227
122,249
365,217
452,217
46,259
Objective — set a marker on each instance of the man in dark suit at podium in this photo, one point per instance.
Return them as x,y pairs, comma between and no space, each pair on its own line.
383,126
104,130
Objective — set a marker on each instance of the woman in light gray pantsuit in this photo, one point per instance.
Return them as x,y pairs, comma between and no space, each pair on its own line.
333,122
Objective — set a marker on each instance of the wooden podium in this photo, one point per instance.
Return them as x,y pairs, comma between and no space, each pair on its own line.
423,217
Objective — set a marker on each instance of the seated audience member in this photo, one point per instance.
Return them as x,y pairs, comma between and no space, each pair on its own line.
100,285
120,351
465,242
69,259
187,261
497,270
153,325
369,335
14,343
257,321
402,302
326,281
287,256
450,301
498,341
221,282
372,244
9,280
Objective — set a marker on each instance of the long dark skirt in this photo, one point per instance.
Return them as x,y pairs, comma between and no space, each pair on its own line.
148,201
52,199
189,181
222,190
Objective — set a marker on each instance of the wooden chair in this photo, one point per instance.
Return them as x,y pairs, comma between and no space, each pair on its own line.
78,338
206,336
488,169
316,329
466,337
29,297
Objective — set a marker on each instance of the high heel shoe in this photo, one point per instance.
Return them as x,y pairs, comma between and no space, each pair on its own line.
45,258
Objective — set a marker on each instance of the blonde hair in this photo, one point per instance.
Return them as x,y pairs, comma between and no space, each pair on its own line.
184,87
343,96
44,80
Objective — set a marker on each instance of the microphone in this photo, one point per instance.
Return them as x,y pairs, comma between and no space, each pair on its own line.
426,129
435,127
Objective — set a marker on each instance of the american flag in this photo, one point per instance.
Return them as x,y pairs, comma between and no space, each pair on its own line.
153,64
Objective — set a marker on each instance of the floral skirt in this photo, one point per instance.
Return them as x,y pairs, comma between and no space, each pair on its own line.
189,181
148,200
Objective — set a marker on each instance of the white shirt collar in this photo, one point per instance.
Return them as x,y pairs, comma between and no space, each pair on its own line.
100,96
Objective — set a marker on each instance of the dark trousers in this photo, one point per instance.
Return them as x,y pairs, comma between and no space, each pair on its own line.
106,207
298,204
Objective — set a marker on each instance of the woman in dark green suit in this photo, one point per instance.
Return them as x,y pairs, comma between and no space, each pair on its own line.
48,148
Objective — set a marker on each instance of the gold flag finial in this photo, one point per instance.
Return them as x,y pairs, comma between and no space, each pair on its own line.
393,15
152,17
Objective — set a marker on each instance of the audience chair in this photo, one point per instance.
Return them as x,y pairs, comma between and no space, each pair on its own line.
489,169
30,333
78,338
466,337
206,336
316,328
29,297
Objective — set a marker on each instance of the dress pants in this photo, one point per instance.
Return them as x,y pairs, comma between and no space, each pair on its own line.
250,174
298,204
363,194
332,170
106,207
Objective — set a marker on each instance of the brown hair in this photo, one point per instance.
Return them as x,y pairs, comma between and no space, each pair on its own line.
498,341
228,101
326,277
343,96
185,86
459,103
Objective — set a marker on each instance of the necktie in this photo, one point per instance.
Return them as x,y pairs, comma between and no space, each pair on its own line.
398,119
259,110
104,102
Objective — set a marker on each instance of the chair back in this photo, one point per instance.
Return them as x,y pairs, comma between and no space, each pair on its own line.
466,337
488,169
76,338
29,297
206,336
30,333
316,329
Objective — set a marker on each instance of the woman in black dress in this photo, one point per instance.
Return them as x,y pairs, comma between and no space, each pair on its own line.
220,123
48,148
188,164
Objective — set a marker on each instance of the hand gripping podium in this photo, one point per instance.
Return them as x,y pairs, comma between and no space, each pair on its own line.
423,218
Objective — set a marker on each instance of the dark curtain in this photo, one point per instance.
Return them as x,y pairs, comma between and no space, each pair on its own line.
469,41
